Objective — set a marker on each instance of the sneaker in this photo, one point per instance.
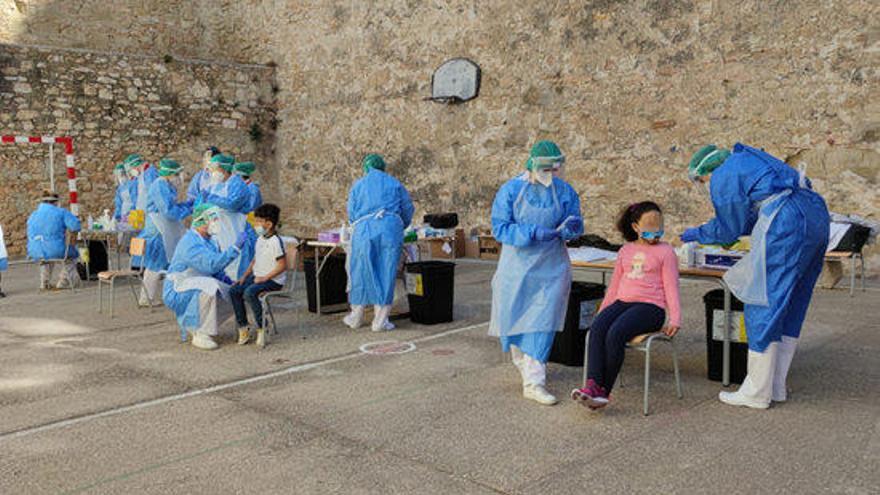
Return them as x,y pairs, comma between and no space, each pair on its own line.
592,396
244,335
261,338
539,394
203,341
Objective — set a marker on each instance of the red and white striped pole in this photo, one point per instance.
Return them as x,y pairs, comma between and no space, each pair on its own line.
67,141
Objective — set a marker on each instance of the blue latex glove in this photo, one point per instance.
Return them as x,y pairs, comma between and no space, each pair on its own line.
690,235
545,234
242,239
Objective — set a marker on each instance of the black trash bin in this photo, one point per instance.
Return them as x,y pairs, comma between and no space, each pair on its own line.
583,305
333,283
739,351
98,261
430,288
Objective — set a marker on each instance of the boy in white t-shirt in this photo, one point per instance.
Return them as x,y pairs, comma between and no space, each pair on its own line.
266,273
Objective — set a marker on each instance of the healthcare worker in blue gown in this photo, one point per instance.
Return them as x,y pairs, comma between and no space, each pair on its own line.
379,209
532,217
245,170
46,231
229,192
122,201
201,181
755,193
142,177
196,284
163,227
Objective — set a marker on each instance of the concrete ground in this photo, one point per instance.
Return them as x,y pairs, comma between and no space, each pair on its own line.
90,404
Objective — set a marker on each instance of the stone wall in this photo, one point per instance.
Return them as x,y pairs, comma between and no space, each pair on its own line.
629,88
113,105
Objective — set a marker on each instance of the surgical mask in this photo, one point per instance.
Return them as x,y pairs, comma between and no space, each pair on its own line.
134,173
217,177
544,177
703,187
214,228
260,230
649,235
120,179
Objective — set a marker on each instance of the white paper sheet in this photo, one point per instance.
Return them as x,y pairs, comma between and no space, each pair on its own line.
836,233
589,254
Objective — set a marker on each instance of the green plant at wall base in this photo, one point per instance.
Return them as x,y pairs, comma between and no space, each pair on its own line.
256,133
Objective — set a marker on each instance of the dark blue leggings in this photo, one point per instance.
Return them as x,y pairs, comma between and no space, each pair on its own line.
611,330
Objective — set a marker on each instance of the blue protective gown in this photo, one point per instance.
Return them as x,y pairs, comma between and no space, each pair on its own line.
234,196
148,176
531,285
199,185
795,241
377,240
4,259
45,228
162,200
202,255
120,211
256,196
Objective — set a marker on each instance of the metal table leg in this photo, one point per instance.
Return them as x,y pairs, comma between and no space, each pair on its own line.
725,362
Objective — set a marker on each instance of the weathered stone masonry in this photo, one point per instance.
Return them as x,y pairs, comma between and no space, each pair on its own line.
116,104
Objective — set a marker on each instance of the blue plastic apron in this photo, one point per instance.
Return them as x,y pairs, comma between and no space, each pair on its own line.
531,286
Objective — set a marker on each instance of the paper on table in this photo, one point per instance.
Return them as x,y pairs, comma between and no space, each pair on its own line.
588,254
836,233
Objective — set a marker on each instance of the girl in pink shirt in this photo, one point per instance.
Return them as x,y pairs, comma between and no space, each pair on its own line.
642,296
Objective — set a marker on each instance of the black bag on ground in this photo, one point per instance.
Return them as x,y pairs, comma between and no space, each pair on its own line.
442,220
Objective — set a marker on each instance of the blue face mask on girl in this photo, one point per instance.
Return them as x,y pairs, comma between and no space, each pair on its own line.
652,236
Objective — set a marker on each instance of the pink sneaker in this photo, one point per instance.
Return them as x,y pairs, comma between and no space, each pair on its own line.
592,396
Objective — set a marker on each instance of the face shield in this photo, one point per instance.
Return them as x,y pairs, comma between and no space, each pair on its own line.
544,168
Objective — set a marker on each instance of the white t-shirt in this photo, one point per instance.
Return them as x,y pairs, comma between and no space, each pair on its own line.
268,250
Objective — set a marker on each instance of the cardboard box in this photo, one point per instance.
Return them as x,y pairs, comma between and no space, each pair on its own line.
472,247
445,249
490,249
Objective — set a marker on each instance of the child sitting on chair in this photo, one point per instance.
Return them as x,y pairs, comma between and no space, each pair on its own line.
266,273
644,288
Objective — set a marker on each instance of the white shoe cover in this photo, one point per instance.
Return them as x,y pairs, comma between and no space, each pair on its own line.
203,341
757,388
787,348
355,319
380,319
539,394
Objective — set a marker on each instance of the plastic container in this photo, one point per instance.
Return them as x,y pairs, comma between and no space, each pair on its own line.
739,351
430,287
333,283
583,305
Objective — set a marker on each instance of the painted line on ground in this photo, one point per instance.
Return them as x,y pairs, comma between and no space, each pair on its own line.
213,389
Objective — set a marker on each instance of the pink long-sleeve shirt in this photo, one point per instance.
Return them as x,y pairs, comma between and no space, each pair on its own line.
647,273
